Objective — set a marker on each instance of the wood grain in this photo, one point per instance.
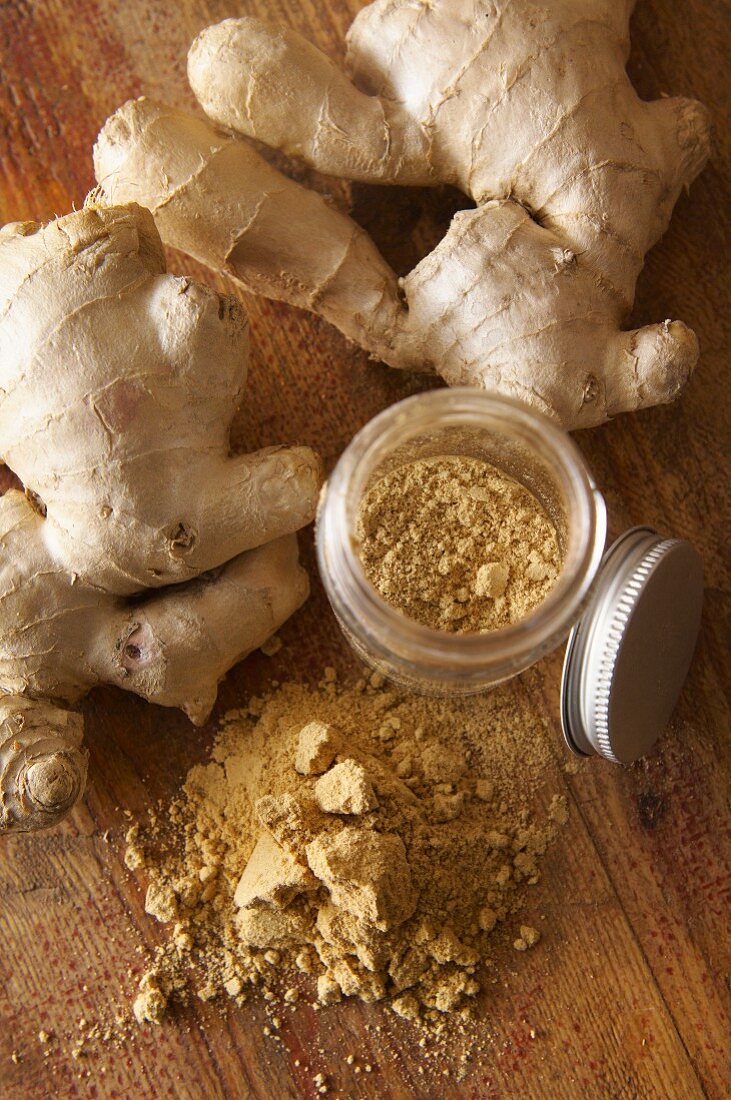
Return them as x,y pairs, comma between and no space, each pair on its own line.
628,995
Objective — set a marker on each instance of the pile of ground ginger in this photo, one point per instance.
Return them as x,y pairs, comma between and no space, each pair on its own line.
348,841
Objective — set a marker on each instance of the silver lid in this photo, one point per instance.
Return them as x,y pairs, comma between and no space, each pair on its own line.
628,656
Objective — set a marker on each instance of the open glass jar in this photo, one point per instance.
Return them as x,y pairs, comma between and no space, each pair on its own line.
519,442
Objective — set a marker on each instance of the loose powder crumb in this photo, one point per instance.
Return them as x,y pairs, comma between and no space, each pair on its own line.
528,937
151,1002
134,856
456,544
383,878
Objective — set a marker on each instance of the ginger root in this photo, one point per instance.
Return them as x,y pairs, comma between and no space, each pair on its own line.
527,108
141,553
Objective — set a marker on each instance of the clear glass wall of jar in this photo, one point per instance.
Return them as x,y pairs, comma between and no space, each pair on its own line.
516,440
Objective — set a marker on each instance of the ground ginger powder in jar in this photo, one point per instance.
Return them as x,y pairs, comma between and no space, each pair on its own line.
456,544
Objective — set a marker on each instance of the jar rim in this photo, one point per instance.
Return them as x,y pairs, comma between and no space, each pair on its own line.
502,651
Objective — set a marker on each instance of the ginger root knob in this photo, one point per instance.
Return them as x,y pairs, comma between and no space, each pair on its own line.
52,782
42,764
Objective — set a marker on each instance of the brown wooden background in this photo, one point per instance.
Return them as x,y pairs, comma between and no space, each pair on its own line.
628,995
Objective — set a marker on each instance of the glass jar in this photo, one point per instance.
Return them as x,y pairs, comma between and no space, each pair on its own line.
518,441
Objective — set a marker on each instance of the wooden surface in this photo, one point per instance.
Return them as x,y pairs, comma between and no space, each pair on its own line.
628,993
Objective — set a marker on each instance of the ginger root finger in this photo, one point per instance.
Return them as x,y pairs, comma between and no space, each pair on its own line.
214,197
649,366
244,502
270,83
42,764
174,648
222,508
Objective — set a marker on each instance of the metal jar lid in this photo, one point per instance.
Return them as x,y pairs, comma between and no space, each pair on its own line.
628,656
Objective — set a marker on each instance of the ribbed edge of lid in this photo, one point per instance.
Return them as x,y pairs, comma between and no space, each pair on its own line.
626,602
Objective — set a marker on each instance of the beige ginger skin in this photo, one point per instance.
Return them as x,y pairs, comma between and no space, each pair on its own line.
141,553
526,107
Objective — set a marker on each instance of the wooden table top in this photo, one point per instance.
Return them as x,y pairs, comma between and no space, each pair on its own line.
628,994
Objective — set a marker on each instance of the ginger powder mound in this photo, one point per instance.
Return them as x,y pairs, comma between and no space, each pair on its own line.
349,842
456,544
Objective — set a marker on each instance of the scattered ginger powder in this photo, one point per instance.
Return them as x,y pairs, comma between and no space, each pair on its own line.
457,544
351,841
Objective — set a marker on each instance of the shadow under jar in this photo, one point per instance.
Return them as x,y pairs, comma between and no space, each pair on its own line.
518,442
